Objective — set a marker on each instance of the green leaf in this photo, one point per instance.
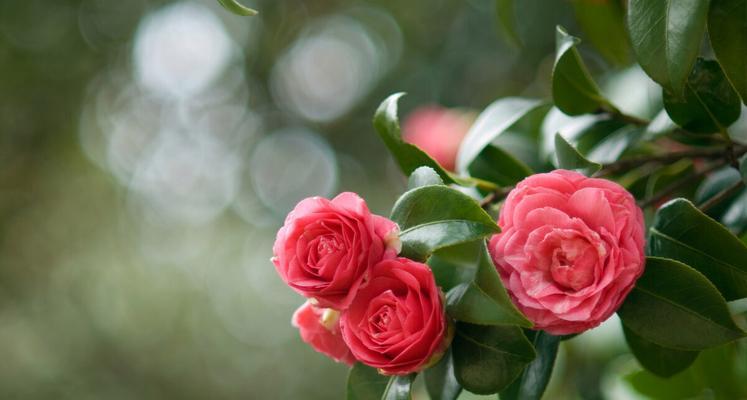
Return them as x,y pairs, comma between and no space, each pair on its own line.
440,381
483,300
533,381
498,166
743,168
365,383
399,388
454,265
666,37
728,34
675,306
661,361
488,358
236,8
603,22
494,120
610,148
685,385
570,158
408,156
709,103
423,176
505,12
437,216
573,90
682,232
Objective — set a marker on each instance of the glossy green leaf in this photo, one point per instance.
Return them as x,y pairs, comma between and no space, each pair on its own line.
236,8
408,156
488,358
498,166
399,388
505,11
570,158
727,31
365,383
440,381
743,168
603,23
685,385
423,176
455,265
610,148
494,120
483,300
573,90
682,232
675,306
709,104
533,381
437,216
666,37
660,361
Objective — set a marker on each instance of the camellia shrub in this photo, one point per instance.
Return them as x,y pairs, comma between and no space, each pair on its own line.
486,265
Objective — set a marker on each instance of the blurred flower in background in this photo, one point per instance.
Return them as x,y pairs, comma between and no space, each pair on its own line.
150,149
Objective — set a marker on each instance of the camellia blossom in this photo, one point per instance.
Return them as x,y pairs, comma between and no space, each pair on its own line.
397,323
438,131
570,250
320,328
326,248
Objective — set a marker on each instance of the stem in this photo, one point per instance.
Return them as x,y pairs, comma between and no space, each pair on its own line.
720,196
680,183
630,119
632,162
495,196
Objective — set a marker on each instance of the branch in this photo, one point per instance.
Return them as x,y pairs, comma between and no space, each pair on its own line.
628,163
720,196
680,183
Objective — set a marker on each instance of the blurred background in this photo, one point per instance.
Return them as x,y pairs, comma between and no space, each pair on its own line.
149,151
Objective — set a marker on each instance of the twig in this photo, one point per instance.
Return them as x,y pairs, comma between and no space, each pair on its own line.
680,183
720,196
667,158
495,196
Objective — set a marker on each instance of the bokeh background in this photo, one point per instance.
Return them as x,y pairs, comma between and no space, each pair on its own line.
149,151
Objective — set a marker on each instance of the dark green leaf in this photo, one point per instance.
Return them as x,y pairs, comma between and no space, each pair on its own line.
236,8
610,148
684,385
494,120
399,388
743,168
709,103
666,37
675,306
365,383
603,22
408,156
489,358
728,33
483,300
437,216
440,381
454,265
498,166
424,176
659,360
533,381
681,232
507,20
573,90
570,158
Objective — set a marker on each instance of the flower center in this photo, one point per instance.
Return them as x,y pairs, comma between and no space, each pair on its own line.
328,245
572,264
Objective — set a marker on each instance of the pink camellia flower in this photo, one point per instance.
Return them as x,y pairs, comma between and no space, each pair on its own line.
570,249
320,328
438,131
327,247
397,323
